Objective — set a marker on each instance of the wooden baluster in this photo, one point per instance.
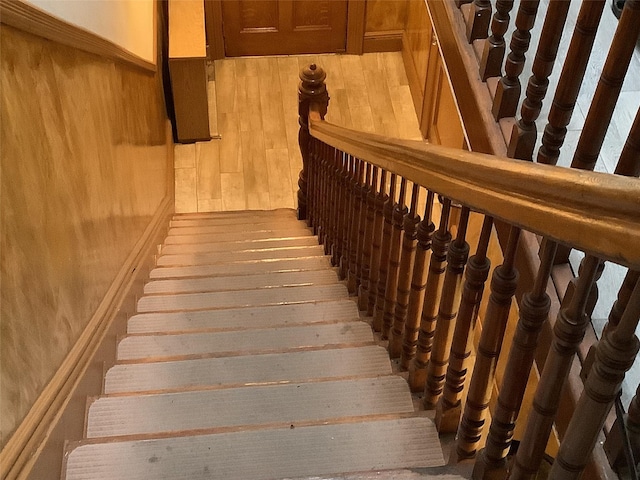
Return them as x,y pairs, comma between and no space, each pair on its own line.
376,245
629,161
409,244
614,444
320,200
505,103
524,134
568,332
354,229
362,223
393,269
418,285
479,18
383,267
371,185
348,224
503,286
615,355
606,95
449,407
333,214
433,291
311,89
534,310
342,212
568,87
494,47
447,312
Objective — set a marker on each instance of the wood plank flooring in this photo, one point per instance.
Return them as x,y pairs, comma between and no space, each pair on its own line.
256,162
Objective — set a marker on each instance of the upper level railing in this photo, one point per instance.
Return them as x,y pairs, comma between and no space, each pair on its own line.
414,276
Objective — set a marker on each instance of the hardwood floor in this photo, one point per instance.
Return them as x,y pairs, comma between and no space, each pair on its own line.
256,162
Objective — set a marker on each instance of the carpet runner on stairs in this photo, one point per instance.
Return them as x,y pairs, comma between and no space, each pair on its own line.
248,360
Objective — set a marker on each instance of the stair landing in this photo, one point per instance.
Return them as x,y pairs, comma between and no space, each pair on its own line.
248,360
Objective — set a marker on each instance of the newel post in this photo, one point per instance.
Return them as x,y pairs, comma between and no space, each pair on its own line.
311,89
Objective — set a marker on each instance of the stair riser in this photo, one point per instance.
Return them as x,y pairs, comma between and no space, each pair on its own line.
242,318
243,342
271,296
224,257
254,369
242,268
300,241
246,282
237,236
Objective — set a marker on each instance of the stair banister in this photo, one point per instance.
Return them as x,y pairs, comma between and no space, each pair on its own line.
594,212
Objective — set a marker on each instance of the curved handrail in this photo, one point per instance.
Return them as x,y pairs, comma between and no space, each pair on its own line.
594,212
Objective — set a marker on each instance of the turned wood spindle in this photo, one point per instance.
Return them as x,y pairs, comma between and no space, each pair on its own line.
320,202
609,86
433,291
503,287
378,314
342,213
505,103
629,161
447,312
348,210
376,244
334,211
479,18
409,244
570,81
568,333
354,229
449,407
614,445
311,89
495,47
393,269
534,311
524,134
418,284
362,222
615,355
372,181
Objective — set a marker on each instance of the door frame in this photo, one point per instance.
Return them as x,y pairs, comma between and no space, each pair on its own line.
356,10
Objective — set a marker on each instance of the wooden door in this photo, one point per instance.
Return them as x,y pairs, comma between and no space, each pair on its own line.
284,27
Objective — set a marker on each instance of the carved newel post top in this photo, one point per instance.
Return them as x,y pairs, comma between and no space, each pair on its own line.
313,89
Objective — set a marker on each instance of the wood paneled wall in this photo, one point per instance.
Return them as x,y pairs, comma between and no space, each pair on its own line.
85,169
385,21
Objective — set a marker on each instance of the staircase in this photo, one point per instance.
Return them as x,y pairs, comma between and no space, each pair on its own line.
248,360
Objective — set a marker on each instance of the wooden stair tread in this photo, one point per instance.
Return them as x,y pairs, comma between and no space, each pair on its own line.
237,245
240,298
223,257
246,317
263,454
230,220
260,225
247,406
250,369
243,341
243,268
278,212
274,233
244,282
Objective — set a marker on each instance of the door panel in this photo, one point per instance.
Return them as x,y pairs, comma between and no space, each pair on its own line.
284,27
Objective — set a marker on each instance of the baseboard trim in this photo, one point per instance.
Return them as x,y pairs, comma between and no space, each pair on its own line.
22,450
32,20
382,41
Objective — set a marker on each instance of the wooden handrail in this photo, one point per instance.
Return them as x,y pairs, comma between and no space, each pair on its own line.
594,212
